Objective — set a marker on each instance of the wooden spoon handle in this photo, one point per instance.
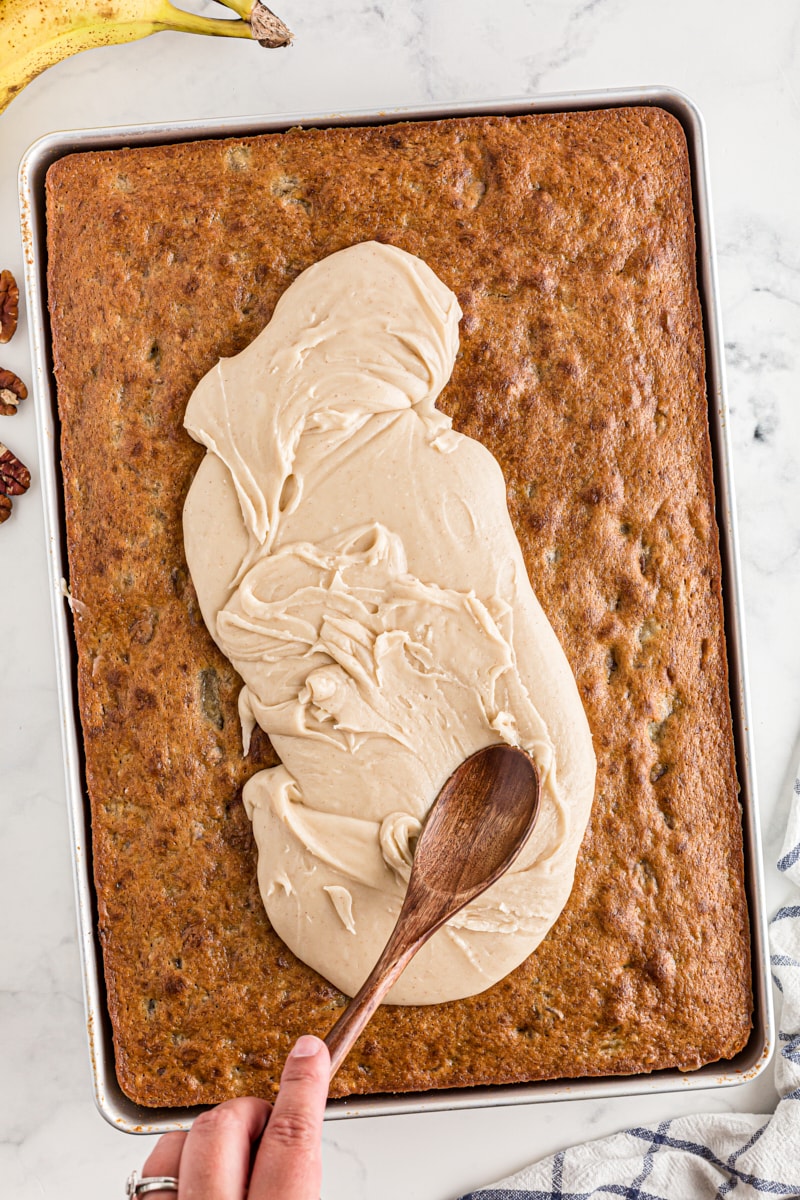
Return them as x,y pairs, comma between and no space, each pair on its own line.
395,957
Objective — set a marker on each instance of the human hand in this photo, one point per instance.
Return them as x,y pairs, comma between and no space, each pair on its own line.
222,1158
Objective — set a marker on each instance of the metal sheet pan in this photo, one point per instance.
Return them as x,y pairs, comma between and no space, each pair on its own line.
112,1103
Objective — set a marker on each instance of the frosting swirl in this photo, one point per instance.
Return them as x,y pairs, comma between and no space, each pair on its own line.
354,559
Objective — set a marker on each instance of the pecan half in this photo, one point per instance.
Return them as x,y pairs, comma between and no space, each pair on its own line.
12,390
9,306
15,478
5,508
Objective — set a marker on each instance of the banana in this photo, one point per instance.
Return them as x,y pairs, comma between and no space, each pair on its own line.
35,34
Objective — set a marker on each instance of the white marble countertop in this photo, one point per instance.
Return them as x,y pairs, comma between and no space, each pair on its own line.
740,62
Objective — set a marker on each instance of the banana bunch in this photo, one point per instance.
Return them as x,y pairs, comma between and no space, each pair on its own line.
35,34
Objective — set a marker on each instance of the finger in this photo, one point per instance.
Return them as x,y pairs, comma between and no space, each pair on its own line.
165,1159
288,1165
215,1163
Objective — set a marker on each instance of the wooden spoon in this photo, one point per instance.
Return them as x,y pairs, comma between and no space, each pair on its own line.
475,829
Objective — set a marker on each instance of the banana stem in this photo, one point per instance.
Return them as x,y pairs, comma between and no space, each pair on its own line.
242,7
180,21
257,22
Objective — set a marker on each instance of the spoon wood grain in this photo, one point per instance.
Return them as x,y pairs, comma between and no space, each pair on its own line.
475,829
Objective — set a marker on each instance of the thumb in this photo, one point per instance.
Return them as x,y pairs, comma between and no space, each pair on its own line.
288,1165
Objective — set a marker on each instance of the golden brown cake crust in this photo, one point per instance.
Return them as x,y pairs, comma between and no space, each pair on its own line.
569,241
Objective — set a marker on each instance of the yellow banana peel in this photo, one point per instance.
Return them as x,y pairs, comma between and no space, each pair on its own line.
35,34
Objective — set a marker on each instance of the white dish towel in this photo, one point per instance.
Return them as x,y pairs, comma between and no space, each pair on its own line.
700,1157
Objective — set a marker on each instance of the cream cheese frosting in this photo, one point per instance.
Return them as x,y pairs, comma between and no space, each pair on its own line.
354,558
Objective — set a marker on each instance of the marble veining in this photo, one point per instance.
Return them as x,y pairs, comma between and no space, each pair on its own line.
741,66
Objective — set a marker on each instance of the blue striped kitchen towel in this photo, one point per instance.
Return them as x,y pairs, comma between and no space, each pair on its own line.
700,1157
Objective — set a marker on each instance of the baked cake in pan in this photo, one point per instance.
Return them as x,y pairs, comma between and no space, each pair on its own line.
569,241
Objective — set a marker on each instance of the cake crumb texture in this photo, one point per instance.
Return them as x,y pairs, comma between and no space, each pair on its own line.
569,241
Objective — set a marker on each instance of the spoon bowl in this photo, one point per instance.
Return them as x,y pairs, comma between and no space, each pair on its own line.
475,829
